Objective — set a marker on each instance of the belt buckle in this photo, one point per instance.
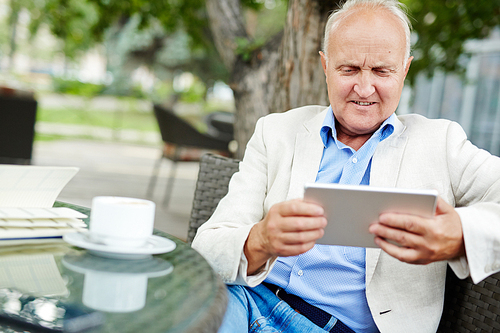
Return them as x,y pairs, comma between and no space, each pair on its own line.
278,290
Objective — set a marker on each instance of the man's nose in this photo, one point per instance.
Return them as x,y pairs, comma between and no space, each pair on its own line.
364,86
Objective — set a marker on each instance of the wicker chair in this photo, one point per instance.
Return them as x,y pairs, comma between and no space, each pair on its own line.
468,307
183,142
213,178
17,126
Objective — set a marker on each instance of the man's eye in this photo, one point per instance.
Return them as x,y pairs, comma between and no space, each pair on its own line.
348,70
382,71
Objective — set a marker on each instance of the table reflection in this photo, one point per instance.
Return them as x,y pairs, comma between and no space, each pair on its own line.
183,293
34,274
112,285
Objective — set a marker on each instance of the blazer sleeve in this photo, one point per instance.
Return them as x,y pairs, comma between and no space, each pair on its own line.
222,238
475,175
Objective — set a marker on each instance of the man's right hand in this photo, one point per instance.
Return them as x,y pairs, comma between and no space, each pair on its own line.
288,229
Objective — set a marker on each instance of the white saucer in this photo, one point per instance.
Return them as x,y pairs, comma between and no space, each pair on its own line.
154,245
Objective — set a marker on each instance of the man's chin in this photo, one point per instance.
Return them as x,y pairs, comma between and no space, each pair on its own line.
361,129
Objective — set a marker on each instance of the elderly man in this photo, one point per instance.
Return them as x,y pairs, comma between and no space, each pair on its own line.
261,239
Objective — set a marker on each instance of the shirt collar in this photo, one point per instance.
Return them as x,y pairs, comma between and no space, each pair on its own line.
383,132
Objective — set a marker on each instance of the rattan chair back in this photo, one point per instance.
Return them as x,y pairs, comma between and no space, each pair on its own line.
213,179
471,307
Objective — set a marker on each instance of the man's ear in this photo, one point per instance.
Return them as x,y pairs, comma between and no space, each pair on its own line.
408,65
323,61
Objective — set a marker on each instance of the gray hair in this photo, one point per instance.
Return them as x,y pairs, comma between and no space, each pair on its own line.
393,6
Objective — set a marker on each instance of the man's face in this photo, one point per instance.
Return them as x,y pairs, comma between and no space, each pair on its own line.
365,70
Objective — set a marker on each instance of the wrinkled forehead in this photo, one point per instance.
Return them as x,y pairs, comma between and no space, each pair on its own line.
371,31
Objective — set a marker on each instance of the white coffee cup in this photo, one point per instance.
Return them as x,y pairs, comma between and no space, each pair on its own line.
121,221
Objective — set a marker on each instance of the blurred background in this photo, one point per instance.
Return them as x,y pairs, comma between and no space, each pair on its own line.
80,79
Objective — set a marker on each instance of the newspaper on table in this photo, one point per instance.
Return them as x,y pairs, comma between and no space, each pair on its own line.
27,194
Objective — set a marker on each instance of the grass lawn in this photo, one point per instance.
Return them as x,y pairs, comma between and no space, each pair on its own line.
125,114
141,121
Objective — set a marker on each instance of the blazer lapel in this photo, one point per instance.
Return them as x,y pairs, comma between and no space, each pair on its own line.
385,167
307,156
387,158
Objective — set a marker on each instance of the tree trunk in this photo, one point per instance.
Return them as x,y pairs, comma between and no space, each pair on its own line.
284,74
301,80
254,84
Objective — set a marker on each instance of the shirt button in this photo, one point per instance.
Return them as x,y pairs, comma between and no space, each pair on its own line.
300,273
354,160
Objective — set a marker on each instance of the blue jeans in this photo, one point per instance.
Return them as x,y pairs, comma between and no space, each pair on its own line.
252,310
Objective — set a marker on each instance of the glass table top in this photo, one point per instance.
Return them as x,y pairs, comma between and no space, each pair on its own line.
171,292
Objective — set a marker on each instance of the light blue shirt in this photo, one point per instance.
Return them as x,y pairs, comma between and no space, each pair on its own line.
333,277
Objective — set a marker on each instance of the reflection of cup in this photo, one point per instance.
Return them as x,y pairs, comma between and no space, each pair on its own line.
115,292
115,285
119,221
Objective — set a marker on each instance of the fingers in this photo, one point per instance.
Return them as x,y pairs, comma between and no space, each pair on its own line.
288,229
413,223
410,223
403,245
292,223
295,216
404,254
298,208
397,233
284,249
298,224
300,237
417,240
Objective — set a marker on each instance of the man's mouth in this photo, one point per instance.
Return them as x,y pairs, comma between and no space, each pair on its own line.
363,103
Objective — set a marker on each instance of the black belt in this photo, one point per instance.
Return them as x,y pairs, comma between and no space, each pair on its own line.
314,314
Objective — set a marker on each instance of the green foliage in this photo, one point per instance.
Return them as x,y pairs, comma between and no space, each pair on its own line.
184,42
5,36
69,20
253,4
173,14
124,89
271,21
75,87
161,92
443,26
195,93
80,24
245,47
268,20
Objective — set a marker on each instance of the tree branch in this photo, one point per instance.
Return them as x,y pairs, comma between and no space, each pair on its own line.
226,24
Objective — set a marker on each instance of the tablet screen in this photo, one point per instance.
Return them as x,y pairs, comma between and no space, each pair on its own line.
350,209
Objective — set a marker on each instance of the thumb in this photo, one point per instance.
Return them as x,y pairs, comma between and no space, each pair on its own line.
442,207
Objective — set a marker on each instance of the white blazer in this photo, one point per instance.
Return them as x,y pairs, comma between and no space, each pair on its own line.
285,152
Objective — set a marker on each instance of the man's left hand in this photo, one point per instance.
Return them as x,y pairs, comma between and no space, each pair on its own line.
421,240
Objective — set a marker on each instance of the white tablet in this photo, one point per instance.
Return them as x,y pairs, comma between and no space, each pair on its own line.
350,209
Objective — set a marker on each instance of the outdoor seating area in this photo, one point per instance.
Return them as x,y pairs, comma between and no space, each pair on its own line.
363,137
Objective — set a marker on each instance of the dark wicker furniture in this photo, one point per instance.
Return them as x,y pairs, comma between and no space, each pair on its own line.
17,128
468,307
183,142
213,178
